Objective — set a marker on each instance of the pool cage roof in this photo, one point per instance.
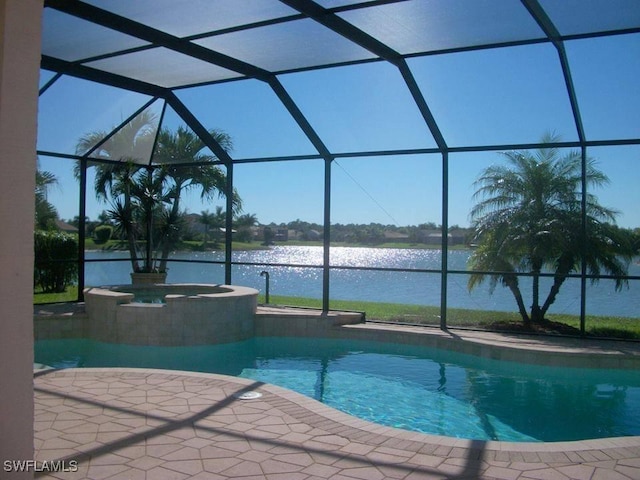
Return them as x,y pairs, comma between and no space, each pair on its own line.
162,48
159,47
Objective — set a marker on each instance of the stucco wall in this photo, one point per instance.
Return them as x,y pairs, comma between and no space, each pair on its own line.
19,72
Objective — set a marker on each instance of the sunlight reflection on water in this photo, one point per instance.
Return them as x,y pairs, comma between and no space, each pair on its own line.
345,257
385,257
416,288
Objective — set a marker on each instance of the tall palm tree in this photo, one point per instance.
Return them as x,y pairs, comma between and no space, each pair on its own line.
130,144
126,180
529,218
173,151
127,150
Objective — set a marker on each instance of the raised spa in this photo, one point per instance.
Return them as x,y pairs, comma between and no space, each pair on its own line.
171,314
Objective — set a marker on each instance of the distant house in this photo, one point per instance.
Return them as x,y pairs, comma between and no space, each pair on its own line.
257,232
294,234
457,236
430,237
313,235
281,234
396,236
65,227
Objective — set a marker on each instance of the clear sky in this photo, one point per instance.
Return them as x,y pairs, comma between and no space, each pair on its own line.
484,97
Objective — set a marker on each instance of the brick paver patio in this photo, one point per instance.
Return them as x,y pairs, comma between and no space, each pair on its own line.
158,424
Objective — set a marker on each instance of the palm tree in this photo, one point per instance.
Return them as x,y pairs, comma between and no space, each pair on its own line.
245,223
212,220
130,144
139,191
174,150
529,218
127,151
46,213
206,219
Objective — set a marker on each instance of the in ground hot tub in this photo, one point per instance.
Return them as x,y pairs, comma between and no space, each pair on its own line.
171,314
157,293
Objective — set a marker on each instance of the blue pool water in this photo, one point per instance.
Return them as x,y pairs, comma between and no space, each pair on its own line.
415,388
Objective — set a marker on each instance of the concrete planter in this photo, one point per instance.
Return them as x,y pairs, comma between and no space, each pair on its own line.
145,278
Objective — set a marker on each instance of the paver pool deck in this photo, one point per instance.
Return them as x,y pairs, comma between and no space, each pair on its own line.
121,423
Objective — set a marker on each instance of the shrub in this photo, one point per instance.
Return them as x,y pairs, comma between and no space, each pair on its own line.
102,234
56,257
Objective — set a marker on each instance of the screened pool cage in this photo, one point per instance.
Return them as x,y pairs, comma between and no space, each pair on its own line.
342,112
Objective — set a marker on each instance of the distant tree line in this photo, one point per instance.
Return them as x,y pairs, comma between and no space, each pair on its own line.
208,229
374,233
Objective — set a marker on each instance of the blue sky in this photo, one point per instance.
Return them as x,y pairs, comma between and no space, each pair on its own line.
478,98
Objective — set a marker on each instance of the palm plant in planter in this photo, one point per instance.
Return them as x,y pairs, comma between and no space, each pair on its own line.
140,201
186,166
145,198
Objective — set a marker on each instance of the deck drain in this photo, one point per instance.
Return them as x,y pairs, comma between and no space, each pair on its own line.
248,395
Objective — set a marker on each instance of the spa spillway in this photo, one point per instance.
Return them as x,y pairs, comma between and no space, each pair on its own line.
171,314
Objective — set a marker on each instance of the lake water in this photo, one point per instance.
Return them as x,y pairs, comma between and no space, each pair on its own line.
417,288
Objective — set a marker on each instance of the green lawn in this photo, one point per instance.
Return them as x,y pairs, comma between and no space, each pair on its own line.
619,327
71,295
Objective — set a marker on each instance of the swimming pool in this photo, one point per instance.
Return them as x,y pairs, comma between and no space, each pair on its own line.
414,388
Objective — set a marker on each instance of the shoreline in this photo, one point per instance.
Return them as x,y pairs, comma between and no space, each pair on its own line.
250,247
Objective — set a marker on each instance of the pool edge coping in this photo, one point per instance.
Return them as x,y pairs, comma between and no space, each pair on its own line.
535,350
